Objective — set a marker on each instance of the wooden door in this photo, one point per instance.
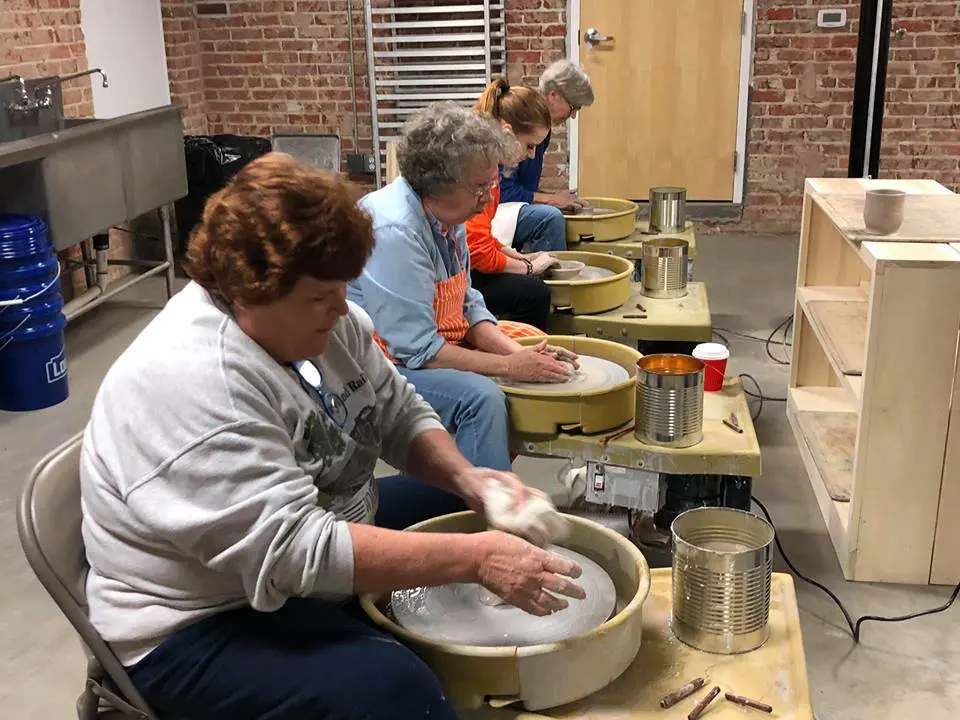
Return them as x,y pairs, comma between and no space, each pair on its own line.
667,92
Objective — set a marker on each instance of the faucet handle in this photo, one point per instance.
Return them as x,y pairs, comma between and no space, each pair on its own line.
43,97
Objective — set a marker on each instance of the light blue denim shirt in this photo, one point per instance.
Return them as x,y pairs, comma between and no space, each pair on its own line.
398,284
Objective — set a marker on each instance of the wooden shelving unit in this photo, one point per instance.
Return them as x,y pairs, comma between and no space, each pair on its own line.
873,380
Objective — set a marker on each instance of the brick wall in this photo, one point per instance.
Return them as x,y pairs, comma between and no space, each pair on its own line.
536,37
282,66
184,67
921,129
40,38
803,100
272,66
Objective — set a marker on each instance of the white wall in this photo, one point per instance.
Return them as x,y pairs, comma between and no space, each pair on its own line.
125,38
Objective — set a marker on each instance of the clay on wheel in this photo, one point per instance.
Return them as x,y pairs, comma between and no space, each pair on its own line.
595,373
454,614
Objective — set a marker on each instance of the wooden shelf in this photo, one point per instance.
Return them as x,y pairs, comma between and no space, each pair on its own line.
873,372
838,317
836,514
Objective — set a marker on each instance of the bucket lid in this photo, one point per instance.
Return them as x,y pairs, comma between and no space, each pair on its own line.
711,351
21,226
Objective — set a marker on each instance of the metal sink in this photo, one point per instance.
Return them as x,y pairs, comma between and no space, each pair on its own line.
89,173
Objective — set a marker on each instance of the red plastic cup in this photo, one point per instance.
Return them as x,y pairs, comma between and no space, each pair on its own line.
714,357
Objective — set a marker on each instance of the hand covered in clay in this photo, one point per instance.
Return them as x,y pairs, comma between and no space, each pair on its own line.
562,354
534,364
526,576
531,516
472,487
565,199
541,262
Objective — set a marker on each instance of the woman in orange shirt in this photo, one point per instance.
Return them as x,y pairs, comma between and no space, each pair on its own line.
510,281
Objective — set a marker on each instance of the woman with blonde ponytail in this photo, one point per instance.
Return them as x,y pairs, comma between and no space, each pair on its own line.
510,280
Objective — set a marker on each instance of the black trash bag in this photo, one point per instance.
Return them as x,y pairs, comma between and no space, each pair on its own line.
211,161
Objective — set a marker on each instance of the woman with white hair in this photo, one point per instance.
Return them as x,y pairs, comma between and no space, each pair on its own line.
417,288
566,88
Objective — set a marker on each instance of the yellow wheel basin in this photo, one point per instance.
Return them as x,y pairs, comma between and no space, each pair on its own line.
542,412
597,295
616,221
539,676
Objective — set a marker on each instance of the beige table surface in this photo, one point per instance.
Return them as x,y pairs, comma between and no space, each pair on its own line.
721,452
685,319
630,246
775,674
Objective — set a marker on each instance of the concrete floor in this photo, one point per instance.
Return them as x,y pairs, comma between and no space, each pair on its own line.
898,671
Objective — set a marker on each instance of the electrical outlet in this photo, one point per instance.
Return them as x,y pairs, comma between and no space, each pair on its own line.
361,164
624,487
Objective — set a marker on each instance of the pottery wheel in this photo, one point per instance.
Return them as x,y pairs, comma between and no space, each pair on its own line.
594,373
590,211
454,614
594,273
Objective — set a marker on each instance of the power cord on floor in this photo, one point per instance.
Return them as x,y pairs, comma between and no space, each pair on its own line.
854,625
784,326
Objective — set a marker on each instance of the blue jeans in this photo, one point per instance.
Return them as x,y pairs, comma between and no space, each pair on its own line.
473,408
309,659
540,228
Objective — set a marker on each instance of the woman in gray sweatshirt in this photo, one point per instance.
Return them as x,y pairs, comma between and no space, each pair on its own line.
229,503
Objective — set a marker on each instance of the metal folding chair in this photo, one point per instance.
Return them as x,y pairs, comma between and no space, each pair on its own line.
48,521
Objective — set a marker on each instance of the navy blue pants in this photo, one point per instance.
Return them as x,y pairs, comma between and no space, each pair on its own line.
310,659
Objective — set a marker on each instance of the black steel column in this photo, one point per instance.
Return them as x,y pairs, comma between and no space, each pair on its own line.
870,86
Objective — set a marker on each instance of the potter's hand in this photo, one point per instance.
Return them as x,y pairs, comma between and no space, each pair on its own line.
534,518
524,575
565,199
541,262
563,355
533,364
473,482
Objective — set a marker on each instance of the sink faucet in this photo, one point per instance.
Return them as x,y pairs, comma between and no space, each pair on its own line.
23,103
43,93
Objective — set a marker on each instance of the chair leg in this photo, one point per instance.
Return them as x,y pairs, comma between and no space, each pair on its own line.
88,704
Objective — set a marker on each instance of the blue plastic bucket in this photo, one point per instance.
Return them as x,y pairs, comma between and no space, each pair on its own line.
33,366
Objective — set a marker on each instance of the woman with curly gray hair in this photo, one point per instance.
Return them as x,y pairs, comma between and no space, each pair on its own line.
416,286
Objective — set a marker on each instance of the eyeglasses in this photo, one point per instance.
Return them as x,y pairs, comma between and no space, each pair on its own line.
479,191
312,381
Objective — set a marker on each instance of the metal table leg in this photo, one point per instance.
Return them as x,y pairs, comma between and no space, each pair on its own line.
168,249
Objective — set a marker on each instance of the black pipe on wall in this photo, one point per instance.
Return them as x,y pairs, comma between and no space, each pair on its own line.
870,86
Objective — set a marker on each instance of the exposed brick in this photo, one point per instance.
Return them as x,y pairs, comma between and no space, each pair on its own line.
282,66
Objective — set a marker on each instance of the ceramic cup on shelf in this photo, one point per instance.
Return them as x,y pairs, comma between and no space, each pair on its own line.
883,210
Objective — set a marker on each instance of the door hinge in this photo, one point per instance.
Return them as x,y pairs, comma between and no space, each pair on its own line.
743,22
736,156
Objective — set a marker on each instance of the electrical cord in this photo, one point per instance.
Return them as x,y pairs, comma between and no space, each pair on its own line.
785,326
854,625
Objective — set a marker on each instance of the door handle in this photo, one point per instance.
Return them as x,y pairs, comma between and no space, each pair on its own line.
593,37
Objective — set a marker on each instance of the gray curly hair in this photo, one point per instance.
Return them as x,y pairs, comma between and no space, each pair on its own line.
441,141
569,80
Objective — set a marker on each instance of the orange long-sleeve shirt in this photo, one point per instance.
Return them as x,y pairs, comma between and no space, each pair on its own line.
486,252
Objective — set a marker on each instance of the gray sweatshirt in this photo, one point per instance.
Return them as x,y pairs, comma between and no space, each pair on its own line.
214,477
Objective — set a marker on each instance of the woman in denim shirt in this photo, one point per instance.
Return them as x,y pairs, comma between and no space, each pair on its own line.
416,286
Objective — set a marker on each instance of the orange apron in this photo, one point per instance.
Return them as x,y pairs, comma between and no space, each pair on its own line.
451,324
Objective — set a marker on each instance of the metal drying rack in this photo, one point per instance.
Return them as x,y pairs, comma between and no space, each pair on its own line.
418,54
